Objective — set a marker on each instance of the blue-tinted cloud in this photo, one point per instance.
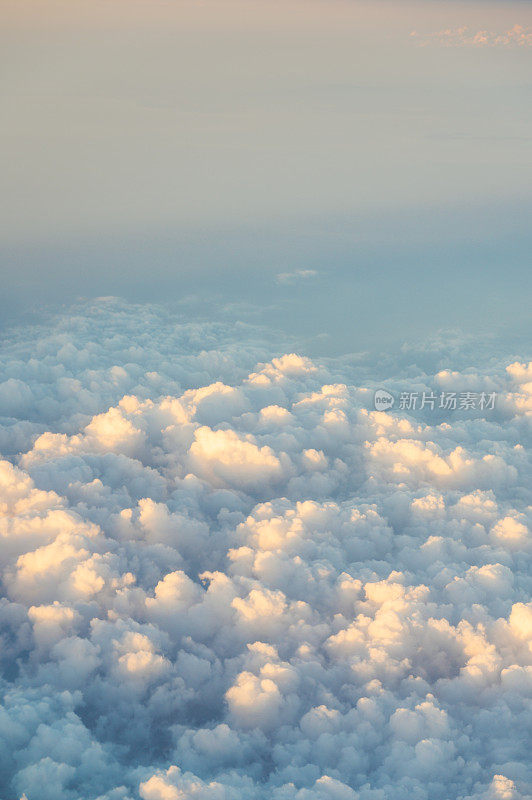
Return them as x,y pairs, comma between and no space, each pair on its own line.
226,576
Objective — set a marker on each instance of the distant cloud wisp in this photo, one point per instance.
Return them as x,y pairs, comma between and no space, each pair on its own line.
467,37
296,275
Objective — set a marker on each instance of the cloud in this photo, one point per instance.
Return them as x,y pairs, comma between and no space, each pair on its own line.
518,36
295,276
224,575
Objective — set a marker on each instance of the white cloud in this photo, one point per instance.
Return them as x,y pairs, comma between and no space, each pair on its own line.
224,576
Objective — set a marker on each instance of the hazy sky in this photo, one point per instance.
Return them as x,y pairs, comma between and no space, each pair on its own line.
157,150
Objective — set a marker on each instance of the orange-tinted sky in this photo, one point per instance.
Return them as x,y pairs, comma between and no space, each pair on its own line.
145,144
151,113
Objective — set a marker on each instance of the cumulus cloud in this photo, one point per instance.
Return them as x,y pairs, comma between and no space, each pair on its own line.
224,575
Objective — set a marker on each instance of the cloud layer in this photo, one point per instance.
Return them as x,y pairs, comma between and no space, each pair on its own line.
226,577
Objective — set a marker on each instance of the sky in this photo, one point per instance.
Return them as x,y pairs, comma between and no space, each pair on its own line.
265,400
163,151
